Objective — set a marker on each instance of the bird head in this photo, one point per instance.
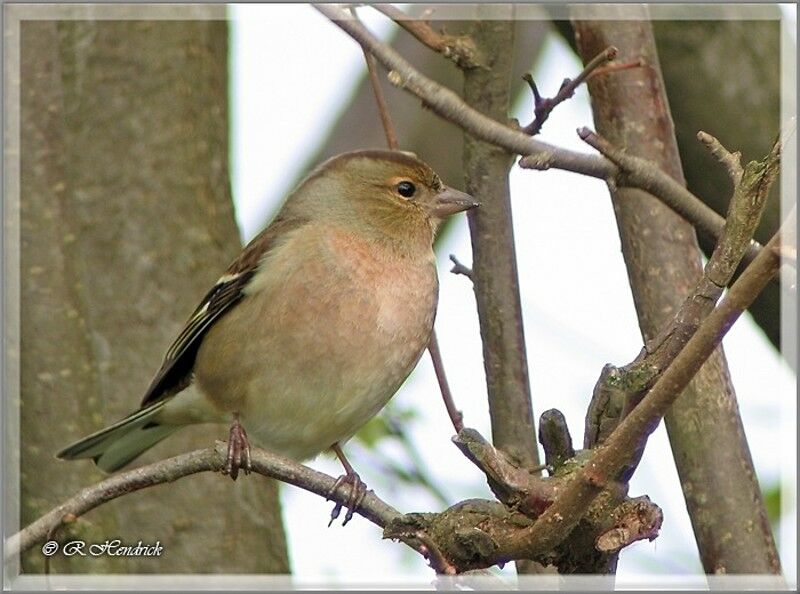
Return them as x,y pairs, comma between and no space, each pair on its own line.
393,193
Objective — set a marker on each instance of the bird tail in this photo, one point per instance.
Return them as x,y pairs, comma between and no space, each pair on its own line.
115,446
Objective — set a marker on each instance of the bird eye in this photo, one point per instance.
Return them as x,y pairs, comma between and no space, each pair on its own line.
406,189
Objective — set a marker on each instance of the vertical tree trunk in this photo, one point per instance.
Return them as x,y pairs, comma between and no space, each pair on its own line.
126,222
495,278
660,249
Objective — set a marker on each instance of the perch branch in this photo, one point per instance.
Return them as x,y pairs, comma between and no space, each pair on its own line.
207,460
445,539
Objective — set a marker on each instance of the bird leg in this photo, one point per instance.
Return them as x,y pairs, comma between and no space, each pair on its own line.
238,450
358,490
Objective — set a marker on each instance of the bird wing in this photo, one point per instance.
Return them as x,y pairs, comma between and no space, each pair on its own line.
175,373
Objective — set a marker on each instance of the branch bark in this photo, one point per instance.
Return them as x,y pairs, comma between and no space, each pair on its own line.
458,48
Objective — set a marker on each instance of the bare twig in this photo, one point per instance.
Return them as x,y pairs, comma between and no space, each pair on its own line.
459,268
380,98
616,67
640,173
544,106
536,154
731,161
459,49
456,418
449,105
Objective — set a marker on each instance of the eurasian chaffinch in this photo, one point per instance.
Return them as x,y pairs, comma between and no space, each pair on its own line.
315,325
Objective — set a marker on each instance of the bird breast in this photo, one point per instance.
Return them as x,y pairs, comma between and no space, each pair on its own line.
340,323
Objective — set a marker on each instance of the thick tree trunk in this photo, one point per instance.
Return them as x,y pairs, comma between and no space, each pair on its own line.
126,220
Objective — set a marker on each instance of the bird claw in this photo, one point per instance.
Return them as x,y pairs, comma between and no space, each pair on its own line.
358,490
238,451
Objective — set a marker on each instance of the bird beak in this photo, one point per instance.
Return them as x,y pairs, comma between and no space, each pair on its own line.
450,201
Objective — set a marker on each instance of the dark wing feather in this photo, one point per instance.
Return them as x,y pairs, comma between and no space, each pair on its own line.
176,370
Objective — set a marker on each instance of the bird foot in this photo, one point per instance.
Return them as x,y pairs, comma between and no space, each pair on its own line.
358,490
238,451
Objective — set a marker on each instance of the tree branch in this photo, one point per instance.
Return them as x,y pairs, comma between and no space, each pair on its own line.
536,154
210,459
449,105
456,418
460,49
731,161
377,92
446,539
459,268
635,172
494,263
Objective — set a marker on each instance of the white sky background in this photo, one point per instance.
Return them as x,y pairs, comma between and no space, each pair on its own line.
284,99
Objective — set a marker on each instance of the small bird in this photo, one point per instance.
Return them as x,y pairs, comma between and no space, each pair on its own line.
312,329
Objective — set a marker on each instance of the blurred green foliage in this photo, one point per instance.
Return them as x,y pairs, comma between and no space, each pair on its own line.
772,501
